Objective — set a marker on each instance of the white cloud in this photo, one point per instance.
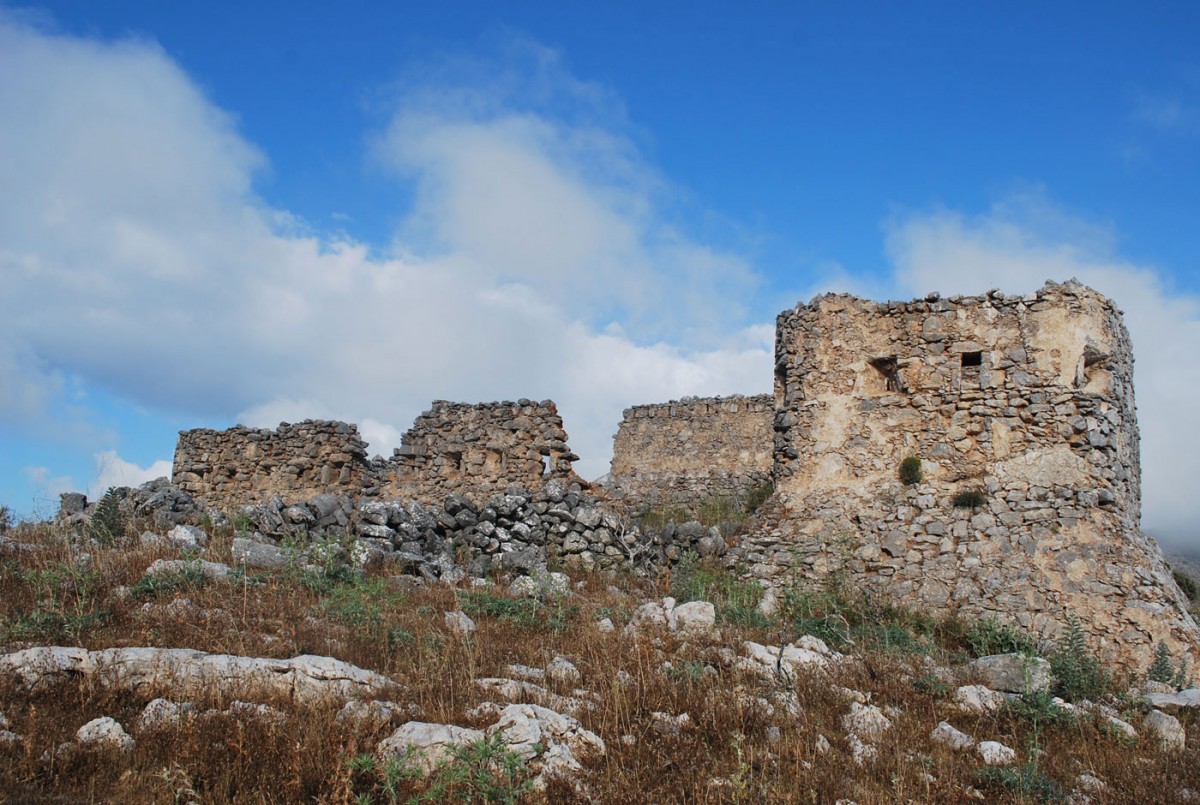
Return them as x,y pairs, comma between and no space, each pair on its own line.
112,470
1026,240
138,257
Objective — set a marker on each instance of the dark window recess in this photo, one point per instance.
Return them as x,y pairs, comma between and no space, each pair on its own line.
972,359
889,367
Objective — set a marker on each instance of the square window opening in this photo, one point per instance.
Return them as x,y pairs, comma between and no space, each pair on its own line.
972,359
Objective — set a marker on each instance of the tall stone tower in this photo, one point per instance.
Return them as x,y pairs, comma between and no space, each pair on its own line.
1021,412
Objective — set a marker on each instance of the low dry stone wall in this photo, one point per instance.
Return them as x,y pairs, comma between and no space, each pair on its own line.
1020,410
227,468
686,452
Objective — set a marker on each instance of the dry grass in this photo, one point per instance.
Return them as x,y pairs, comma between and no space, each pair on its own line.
308,757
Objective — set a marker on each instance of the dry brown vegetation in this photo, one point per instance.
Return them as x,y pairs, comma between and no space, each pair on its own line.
47,597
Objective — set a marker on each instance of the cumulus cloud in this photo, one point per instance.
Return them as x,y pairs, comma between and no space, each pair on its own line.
1025,240
139,257
112,470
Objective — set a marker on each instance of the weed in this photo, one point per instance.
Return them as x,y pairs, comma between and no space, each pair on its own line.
190,577
930,685
527,613
67,604
1078,673
988,636
108,523
1163,669
363,604
483,771
736,600
1028,781
969,499
910,471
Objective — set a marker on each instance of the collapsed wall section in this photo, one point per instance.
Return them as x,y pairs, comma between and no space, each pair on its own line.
689,451
477,451
228,468
1021,412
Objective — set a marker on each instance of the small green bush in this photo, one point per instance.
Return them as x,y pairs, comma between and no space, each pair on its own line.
527,613
191,577
1163,669
1077,673
931,685
969,499
1027,781
910,471
108,523
988,636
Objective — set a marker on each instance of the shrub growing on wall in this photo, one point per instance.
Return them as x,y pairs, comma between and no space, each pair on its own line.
910,471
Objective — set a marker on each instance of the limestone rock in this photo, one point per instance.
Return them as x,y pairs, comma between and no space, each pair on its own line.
260,555
305,678
1167,729
946,734
979,699
160,713
563,671
694,617
104,732
866,722
1174,702
1012,673
213,571
459,623
423,746
994,753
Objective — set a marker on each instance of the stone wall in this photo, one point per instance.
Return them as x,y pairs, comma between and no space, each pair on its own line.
453,448
685,452
241,465
477,451
1026,401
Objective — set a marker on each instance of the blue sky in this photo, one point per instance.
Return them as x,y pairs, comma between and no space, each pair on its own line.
215,213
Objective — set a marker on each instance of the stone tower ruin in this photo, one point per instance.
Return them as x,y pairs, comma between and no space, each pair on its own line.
1020,410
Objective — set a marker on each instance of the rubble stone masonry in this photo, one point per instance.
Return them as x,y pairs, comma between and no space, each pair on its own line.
477,451
226,468
472,450
1021,411
685,452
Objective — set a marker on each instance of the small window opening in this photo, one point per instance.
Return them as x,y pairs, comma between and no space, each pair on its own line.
970,359
545,466
889,367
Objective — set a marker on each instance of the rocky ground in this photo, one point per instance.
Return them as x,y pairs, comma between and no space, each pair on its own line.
170,663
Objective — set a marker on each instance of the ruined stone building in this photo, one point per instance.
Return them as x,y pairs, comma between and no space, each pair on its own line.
229,468
474,450
477,451
1021,412
1018,410
684,452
